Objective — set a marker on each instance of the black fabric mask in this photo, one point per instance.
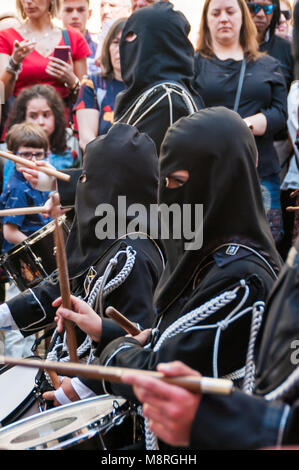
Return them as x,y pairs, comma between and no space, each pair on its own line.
160,52
121,163
218,150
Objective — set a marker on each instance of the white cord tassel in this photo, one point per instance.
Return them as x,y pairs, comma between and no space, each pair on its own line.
257,317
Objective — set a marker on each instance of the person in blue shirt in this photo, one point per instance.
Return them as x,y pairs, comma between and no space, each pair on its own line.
41,104
29,141
76,13
96,99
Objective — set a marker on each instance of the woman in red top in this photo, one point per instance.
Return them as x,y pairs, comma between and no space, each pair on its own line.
27,52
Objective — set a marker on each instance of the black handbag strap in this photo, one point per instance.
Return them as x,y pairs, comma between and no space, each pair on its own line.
240,84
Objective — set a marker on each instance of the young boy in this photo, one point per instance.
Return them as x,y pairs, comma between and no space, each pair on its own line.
29,141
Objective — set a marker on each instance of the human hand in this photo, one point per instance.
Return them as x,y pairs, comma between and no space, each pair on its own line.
142,337
52,207
170,409
82,314
63,71
22,49
67,388
38,179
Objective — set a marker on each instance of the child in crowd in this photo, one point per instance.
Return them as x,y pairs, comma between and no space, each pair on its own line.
27,140
42,104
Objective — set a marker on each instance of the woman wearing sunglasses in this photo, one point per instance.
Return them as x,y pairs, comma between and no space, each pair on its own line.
284,28
266,17
231,72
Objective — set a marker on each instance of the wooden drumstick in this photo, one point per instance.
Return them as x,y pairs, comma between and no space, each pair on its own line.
122,321
193,383
29,164
23,211
65,290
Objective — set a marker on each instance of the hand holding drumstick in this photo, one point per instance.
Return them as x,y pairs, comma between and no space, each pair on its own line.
81,314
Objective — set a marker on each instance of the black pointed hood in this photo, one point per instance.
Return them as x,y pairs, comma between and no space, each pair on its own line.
121,163
160,52
218,150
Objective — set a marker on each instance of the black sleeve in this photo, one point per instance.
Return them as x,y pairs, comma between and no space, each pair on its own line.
134,299
191,344
32,310
238,422
67,189
276,114
291,433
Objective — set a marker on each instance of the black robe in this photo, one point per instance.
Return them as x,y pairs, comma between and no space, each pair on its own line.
237,248
160,54
271,414
121,163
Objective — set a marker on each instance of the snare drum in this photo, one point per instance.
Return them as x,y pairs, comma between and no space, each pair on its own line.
33,260
67,426
19,394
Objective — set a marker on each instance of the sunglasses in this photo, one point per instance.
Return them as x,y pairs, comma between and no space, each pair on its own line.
30,155
256,7
287,14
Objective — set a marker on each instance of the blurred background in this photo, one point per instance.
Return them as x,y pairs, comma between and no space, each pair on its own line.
191,9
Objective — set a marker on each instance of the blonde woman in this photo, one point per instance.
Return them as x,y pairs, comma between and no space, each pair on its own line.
27,51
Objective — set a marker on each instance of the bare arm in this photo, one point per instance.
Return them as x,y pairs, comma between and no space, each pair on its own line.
88,125
12,234
80,68
258,122
8,79
20,51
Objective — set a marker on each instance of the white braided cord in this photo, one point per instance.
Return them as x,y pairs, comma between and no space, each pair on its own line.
188,322
257,317
91,297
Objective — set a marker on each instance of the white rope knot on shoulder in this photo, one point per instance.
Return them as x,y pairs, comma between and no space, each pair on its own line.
100,286
113,262
223,324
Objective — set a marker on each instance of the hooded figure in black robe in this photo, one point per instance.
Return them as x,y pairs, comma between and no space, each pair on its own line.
237,256
157,65
122,163
270,414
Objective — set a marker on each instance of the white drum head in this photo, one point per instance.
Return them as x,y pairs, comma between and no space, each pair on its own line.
49,429
16,384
